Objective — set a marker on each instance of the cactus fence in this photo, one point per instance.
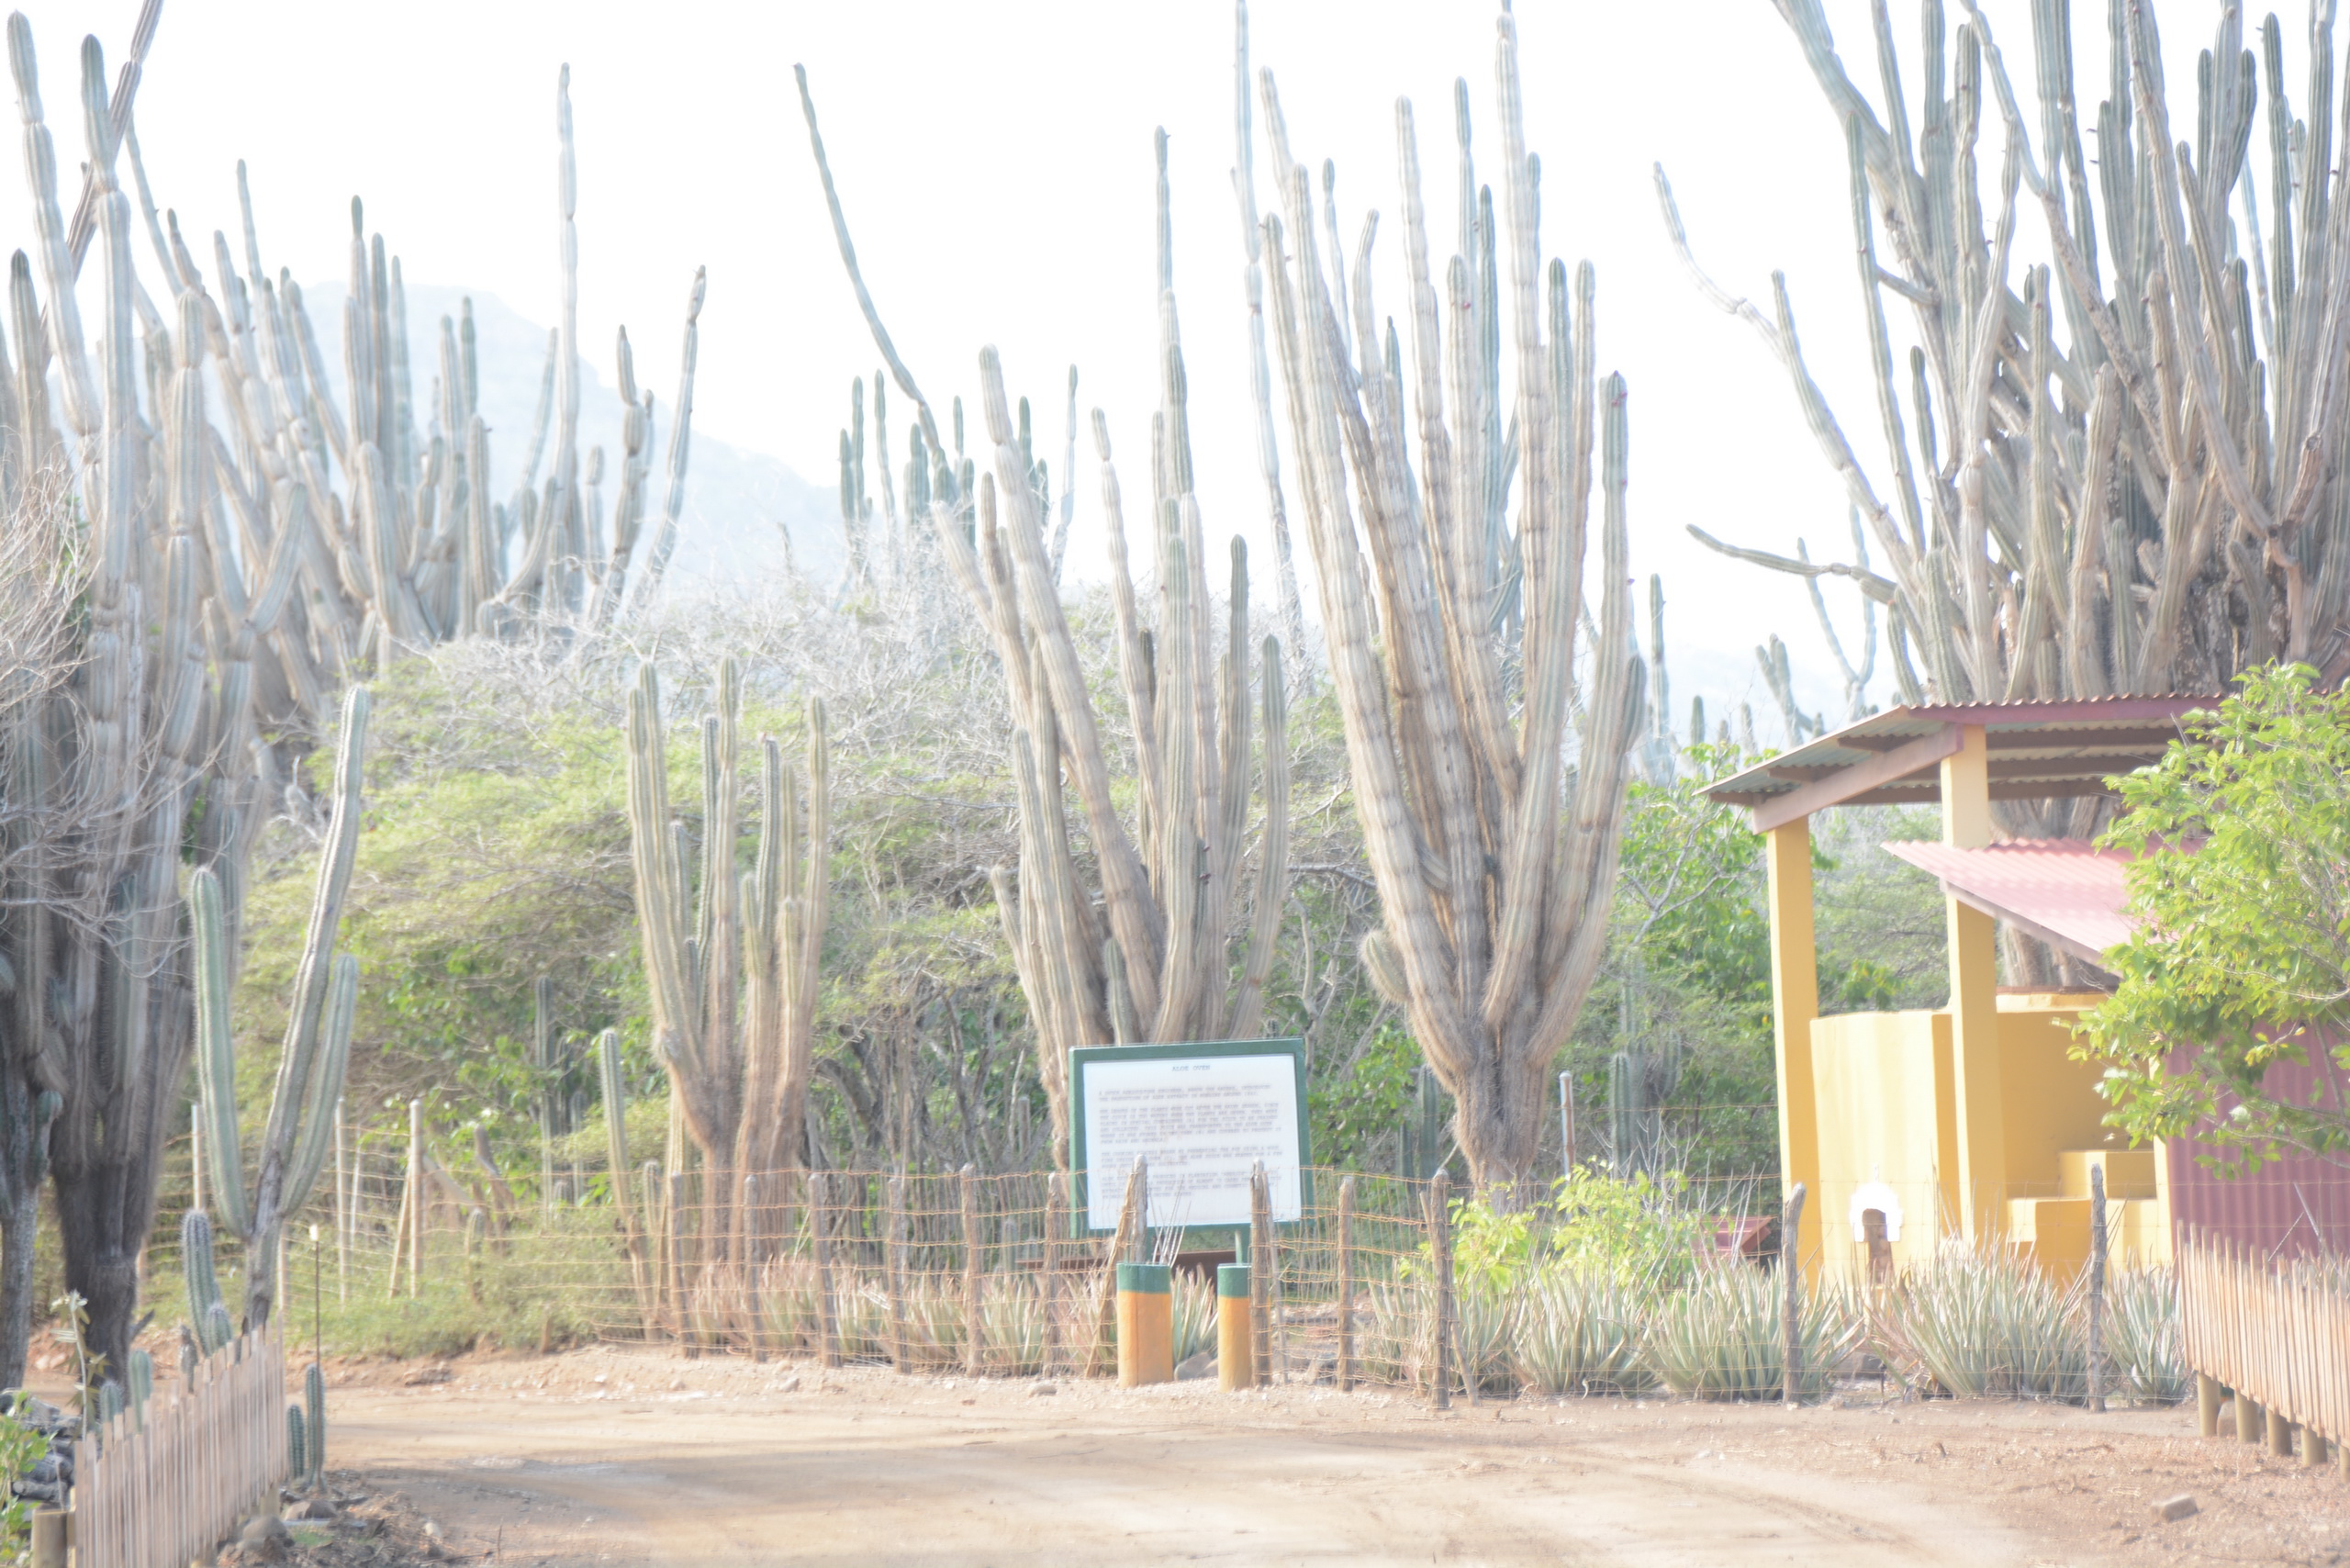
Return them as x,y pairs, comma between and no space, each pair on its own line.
162,1482
2278,1335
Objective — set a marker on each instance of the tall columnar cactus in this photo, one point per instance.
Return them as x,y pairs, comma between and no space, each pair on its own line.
1494,858
311,1066
2122,474
1149,958
739,1055
233,547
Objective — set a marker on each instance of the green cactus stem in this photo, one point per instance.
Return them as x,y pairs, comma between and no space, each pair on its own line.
298,1456
314,1394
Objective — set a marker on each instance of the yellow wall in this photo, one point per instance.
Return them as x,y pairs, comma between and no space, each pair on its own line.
2050,1102
1885,1101
1884,1087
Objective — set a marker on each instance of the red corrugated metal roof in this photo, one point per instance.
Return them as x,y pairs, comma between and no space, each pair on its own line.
2064,891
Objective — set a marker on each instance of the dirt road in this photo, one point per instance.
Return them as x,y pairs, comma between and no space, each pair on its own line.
621,1458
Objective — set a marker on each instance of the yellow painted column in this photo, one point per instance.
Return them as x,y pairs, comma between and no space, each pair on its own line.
1145,1324
1974,1001
1795,1002
1236,1341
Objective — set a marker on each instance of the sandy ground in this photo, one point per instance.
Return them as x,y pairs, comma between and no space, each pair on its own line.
618,1457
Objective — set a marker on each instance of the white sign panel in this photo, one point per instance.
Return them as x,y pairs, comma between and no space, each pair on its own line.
1201,1123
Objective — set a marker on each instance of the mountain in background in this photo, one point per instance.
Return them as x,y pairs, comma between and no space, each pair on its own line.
737,503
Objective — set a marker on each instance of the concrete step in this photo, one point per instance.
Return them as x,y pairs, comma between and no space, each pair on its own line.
2057,1231
2129,1173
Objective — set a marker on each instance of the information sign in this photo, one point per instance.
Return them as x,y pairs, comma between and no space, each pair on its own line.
1200,1116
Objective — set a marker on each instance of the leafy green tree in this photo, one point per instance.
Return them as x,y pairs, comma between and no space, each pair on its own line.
2241,959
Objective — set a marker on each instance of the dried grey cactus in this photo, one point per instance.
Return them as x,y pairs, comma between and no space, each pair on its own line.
2127,476
1159,952
1493,848
250,550
739,1054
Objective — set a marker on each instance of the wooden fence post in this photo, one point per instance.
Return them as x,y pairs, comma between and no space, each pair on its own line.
1346,1368
899,1349
342,1213
1054,1219
679,1198
419,1206
1791,1270
1439,1222
975,1330
749,1227
1106,1313
1260,1273
819,1228
2096,1289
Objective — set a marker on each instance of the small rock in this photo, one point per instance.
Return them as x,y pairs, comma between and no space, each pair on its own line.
789,1386
264,1526
418,1377
2227,1416
2171,1509
675,1383
432,1529
1193,1367
310,1508
1038,1389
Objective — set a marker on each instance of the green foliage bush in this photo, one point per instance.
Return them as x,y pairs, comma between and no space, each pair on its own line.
2244,944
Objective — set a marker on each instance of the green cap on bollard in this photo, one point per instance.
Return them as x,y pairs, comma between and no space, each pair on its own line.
1232,1281
1145,1279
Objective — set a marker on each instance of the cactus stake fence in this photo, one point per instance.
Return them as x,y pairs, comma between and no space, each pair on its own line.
163,1481
2278,1337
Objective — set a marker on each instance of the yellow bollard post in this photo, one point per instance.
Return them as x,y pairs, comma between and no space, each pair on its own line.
1145,1324
2251,1421
1235,1338
2206,1405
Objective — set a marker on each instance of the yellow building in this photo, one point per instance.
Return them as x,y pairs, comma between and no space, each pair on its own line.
1970,1119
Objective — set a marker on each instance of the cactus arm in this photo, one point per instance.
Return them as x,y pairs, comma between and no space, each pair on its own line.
298,1065
1273,855
84,413
216,1054
1140,929
898,370
615,1088
326,1085
680,440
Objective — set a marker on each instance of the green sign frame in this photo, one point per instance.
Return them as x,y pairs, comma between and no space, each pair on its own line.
1082,1056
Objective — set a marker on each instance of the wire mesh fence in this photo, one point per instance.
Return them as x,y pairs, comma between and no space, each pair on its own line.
995,1275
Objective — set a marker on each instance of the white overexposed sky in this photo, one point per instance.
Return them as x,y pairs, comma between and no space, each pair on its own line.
995,160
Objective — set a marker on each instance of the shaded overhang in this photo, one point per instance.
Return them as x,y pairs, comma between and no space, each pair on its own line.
2036,751
2066,891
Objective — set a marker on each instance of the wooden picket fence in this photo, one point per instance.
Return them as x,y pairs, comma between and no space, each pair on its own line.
2279,1335
160,1487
